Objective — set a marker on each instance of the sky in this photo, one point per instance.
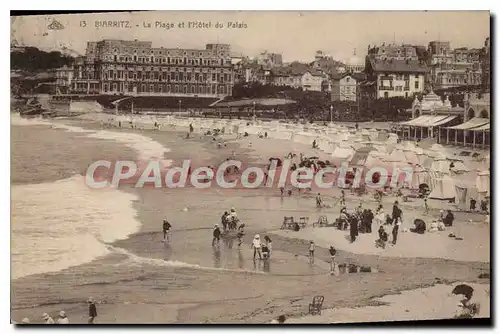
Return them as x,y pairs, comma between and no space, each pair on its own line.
297,35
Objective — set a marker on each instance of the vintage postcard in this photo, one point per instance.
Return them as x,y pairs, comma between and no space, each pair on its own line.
250,167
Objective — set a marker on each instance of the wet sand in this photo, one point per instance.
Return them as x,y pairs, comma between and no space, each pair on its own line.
136,285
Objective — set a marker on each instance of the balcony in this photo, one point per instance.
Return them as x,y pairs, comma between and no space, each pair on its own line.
385,88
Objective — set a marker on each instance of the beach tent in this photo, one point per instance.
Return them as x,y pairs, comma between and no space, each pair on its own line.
411,157
443,189
459,167
343,153
465,188
392,138
483,183
419,176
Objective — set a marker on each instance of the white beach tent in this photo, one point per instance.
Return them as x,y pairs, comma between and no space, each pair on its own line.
419,176
411,157
459,167
483,183
444,189
343,153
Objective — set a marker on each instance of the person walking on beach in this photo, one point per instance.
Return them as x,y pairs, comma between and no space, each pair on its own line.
240,234
342,198
256,244
426,205
224,220
216,235
63,319
166,230
332,252
353,227
311,251
319,201
269,244
395,231
47,319
396,212
92,310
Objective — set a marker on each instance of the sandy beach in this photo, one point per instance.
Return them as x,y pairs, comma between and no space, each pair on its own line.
139,279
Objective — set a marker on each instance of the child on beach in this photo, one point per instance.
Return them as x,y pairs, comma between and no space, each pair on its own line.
257,246
311,251
216,235
166,230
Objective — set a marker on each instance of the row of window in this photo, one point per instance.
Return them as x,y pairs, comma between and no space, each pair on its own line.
166,76
186,89
399,88
170,61
193,53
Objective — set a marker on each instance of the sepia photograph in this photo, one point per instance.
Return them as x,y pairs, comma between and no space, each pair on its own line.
250,167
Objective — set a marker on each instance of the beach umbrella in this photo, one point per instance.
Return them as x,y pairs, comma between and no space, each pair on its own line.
463,289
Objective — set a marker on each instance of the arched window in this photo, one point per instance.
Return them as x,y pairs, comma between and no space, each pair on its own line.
471,114
484,114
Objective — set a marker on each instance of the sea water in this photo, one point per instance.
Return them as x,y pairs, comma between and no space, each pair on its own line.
56,225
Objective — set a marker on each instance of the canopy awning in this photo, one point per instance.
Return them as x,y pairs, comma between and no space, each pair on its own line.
430,121
485,127
444,121
471,123
416,120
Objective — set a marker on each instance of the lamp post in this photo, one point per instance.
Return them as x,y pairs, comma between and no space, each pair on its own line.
254,109
331,114
180,103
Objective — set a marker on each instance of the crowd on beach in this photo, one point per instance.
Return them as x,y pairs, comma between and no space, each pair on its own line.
62,318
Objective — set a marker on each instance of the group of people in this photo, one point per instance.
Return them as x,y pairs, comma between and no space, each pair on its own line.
62,318
360,221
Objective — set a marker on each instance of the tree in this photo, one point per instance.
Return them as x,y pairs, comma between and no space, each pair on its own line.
33,59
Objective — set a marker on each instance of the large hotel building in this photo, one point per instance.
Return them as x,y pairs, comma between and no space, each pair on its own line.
116,67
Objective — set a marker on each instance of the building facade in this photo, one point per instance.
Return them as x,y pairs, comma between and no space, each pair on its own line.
453,68
269,59
345,87
486,65
64,80
395,78
117,67
305,79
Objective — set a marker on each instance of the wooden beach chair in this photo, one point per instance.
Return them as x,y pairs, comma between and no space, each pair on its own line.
322,221
287,223
316,305
303,221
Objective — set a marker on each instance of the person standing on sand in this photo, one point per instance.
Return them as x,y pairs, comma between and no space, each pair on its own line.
319,201
224,220
48,319
166,230
395,231
342,198
92,310
216,235
353,227
256,244
332,252
269,244
426,205
240,234
311,251
63,319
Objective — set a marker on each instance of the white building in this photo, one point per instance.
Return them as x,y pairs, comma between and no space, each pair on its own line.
396,77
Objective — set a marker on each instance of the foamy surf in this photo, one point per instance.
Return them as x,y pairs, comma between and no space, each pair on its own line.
135,260
62,224
146,148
